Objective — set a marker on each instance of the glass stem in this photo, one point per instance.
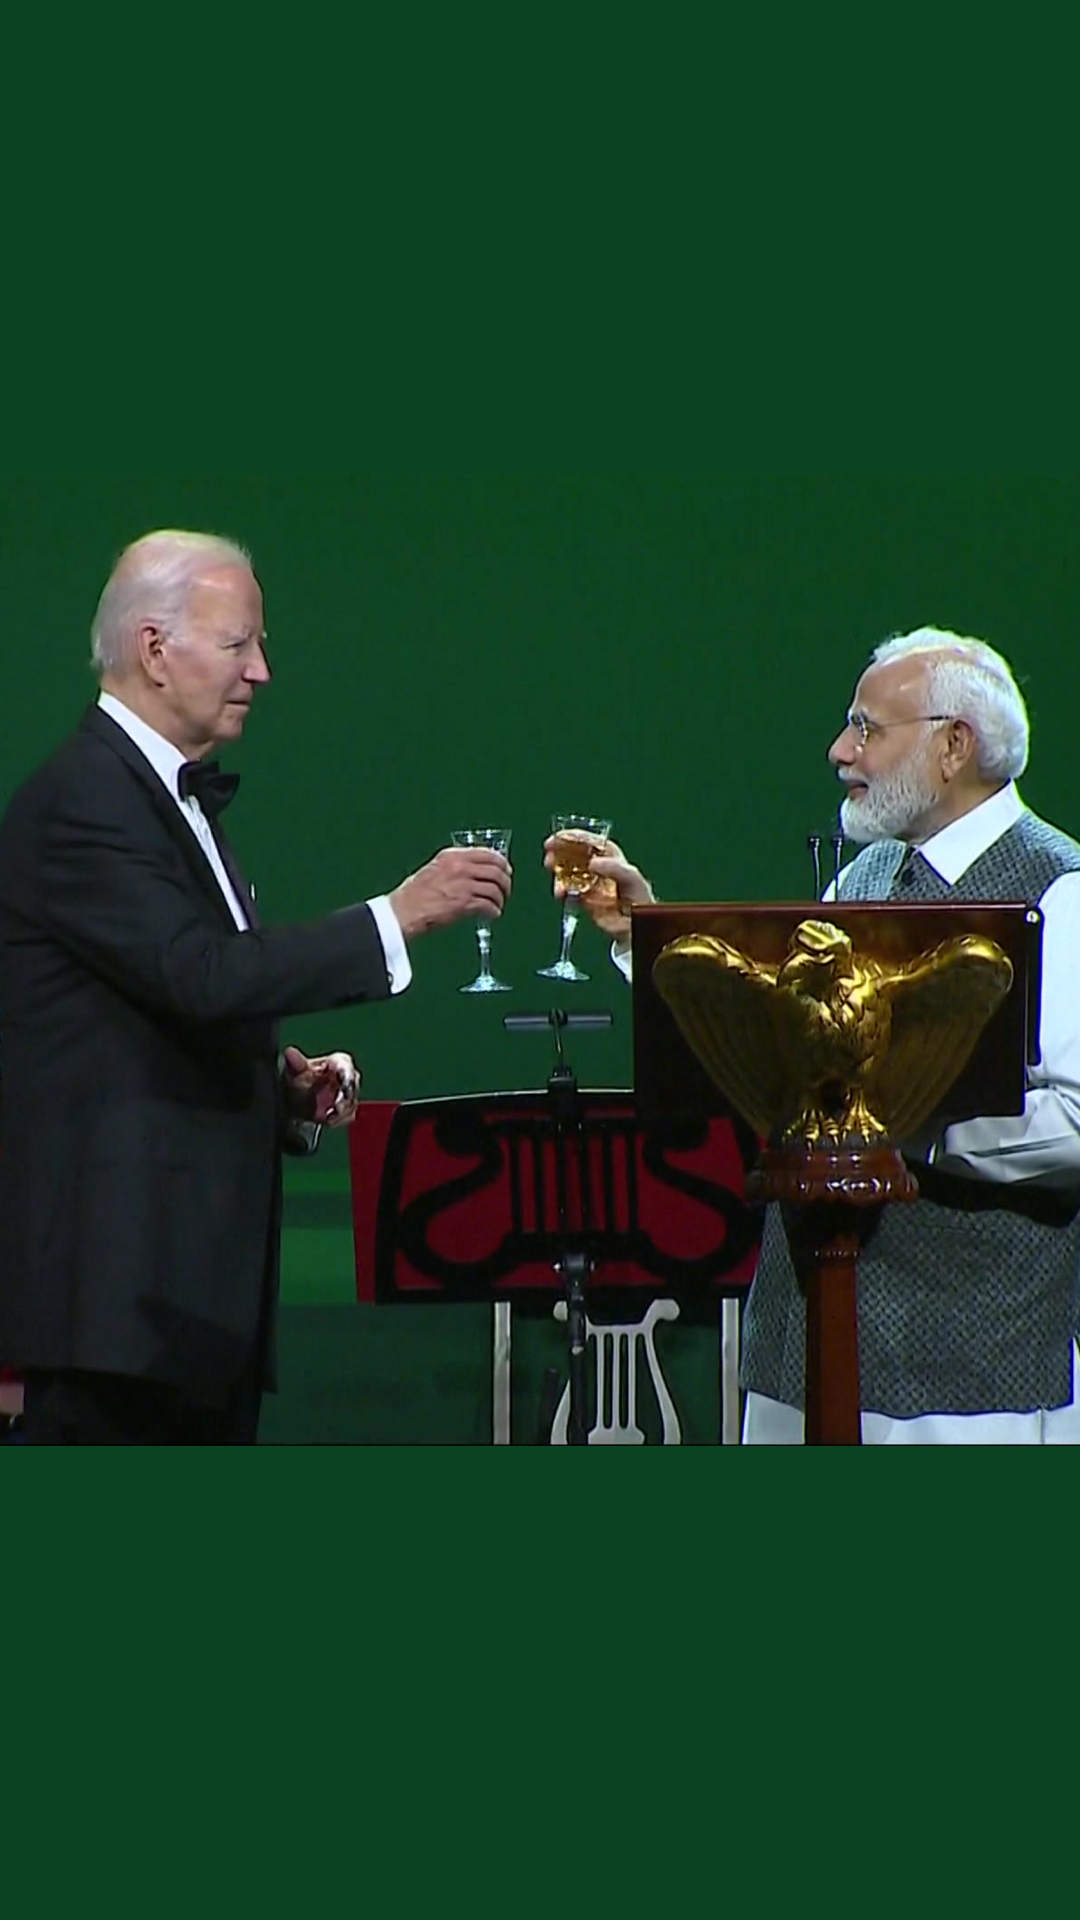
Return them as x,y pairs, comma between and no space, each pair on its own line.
483,941
569,928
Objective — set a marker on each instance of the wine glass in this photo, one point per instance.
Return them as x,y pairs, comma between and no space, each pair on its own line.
577,837
498,839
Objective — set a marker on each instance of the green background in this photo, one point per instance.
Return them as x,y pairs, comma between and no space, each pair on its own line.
676,653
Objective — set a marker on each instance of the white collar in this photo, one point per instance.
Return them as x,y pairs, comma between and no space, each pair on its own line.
165,759
956,848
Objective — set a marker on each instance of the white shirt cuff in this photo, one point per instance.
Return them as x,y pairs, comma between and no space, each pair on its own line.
398,964
624,961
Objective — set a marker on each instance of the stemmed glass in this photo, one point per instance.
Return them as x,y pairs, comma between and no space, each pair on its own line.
498,839
577,836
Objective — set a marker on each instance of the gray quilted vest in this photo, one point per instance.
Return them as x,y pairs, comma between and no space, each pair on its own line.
964,1306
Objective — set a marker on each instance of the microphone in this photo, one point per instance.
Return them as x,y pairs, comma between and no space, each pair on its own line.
838,840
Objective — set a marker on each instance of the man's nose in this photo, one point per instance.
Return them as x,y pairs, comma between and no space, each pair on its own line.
257,671
844,748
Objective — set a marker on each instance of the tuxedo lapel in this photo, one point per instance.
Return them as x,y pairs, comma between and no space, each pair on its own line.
232,867
166,811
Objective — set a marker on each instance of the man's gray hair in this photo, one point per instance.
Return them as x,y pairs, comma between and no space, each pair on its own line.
151,584
969,681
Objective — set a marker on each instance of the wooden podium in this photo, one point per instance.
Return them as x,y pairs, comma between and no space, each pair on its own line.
832,1191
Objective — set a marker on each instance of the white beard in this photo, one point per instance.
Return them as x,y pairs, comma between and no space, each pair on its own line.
892,804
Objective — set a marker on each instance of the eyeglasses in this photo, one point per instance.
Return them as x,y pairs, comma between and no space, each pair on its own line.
867,730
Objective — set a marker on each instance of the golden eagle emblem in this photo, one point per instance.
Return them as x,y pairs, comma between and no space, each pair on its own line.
828,1049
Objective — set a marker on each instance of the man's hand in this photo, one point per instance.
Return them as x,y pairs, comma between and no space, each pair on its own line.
461,883
619,887
325,1090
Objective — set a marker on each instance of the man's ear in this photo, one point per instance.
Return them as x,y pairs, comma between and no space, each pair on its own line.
961,749
150,645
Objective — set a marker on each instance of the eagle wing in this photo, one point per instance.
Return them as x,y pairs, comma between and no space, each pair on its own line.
729,1011
941,1003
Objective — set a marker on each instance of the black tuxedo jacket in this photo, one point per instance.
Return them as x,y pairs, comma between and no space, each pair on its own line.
140,1171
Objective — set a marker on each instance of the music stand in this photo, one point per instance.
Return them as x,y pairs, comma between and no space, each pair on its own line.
575,1264
455,1201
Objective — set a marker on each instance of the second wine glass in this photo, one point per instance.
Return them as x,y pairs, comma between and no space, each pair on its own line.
498,840
577,837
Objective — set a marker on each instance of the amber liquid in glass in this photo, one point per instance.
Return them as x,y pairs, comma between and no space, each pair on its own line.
572,853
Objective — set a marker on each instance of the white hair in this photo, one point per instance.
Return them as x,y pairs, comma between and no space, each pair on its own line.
151,584
969,681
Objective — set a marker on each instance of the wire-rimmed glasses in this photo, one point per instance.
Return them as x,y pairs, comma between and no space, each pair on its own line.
866,729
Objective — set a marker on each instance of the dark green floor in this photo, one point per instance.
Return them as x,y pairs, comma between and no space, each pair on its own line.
375,1376
352,1375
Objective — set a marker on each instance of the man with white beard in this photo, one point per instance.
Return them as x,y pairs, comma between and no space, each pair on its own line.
969,1304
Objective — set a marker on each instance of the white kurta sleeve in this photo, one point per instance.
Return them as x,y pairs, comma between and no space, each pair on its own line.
1044,1141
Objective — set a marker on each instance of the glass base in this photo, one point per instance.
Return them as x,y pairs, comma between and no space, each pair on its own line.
485,983
562,970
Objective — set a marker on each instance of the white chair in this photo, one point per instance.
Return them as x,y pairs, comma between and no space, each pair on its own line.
617,1352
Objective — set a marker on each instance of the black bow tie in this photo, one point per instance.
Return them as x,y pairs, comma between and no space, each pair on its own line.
203,780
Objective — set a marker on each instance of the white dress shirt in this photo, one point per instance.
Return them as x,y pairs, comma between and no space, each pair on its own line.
1042,1143
167,761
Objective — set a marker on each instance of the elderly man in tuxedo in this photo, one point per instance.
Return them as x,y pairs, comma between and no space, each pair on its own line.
147,1099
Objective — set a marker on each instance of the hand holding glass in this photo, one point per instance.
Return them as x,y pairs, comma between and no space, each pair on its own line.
576,838
498,840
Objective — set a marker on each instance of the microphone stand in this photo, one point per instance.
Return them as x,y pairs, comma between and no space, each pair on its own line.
837,841
838,856
574,1264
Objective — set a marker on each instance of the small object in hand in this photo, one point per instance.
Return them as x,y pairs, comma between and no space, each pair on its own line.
337,1088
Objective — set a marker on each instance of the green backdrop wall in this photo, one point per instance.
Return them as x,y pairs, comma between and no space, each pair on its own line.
675,652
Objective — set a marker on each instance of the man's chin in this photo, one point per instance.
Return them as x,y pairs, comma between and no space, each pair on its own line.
857,828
